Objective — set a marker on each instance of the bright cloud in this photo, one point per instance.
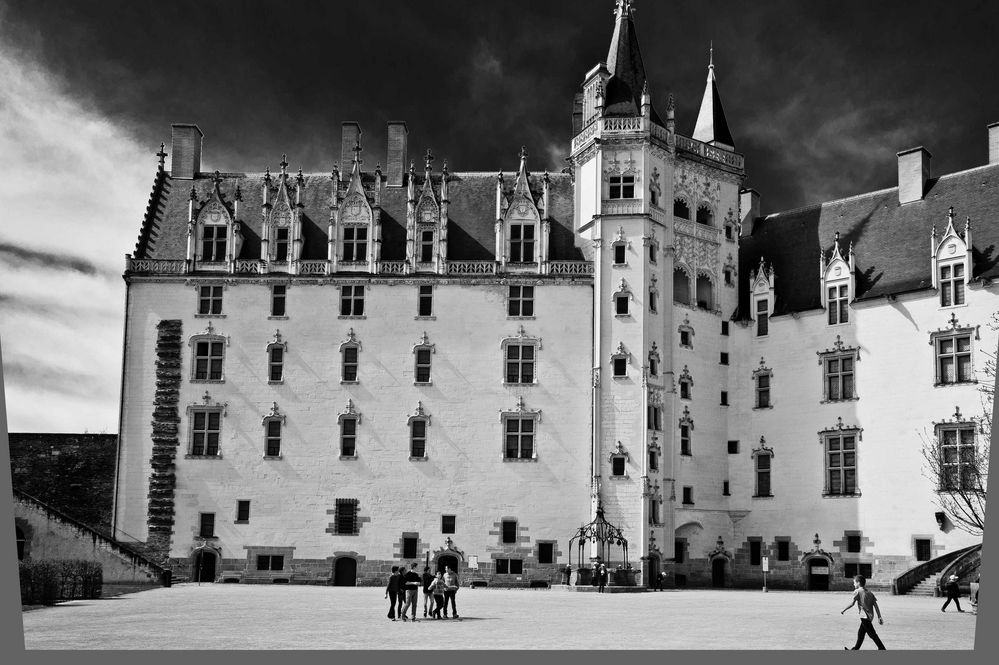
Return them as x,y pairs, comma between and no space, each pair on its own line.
74,191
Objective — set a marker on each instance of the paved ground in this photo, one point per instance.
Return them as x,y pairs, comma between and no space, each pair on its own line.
236,616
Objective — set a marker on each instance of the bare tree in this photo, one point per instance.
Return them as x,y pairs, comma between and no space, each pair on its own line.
957,463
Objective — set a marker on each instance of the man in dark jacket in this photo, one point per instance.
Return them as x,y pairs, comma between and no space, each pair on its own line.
953,593
412,581
428,598
392,591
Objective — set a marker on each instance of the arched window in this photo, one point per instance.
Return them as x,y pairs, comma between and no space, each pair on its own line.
681,287
705,216
681,209
705,292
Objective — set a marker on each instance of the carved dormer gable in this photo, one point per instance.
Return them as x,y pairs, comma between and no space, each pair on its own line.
951,261
426,221
214,235
354,206
761,296
355,222
281,241
836,276
524,237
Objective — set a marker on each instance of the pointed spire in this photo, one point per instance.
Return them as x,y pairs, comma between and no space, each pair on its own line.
711,125
627,80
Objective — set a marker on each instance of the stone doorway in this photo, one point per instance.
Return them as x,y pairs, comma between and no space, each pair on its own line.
447,560
818,575
203,566
718,572
345,571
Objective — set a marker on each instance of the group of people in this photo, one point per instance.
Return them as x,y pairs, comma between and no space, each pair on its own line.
404,587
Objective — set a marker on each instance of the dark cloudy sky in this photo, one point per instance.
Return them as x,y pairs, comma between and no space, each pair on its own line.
819,95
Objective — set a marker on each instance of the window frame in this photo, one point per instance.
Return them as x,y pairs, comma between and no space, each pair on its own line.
211,338
520,415
959,429
521,248
762,317
214,241
352,301
206,525
193,450
521,302
242,511
279,297
210,303
619,185
937,340
839,434
837,303
346,523
952,286
521,341
355,247
425,301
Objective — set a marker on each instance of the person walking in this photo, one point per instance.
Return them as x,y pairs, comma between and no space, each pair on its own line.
428,599
437,588
953,593
411,580
451,590
657,583
867,605
392,591
602,578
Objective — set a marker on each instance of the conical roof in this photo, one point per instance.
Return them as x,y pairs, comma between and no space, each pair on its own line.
711,125
623,95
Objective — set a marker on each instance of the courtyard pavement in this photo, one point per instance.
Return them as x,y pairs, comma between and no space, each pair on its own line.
238,616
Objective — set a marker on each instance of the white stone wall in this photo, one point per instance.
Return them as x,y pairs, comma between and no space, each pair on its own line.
464,473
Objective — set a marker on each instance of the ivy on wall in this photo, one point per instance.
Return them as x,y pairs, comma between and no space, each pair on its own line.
165,424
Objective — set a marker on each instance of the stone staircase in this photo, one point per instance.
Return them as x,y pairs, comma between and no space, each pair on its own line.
926,587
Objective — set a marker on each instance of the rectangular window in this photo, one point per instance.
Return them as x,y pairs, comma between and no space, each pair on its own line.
448,524
653,251
688,496
352,300
208,360
213,243
206,528
620,367
409,546
733,447
350,363
205,430
278,295
724,328
685,439
952,285
423,365
502,566
426,246
281,245
418,438
684,389
273,444
509,566
546,553
725,491
678,546
839,378
521,302
954,359
763,475
653,460
509,531
210,300
520,363
346,516
958,468
762,391
270,562
724,398
618,466
276,364
655,418
620,251
923,551
783,550
348,437
653,297
521,243
723,358
839,311
755,553
762,318
622,187
685,338
242,511
519,438
425,304
355,243
841,464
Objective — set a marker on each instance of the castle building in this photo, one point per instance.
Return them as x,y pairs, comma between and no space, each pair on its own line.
329,374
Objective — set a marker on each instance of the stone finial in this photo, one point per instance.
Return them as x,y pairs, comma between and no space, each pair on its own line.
429,160
216,178
284,164
357,151
194,193
162,156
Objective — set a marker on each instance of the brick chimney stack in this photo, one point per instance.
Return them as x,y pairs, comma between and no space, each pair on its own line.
913,172
350,134
185,162
994,143
398,138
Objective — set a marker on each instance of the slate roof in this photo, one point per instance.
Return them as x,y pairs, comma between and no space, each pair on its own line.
623,95
891,241
711,124
471,214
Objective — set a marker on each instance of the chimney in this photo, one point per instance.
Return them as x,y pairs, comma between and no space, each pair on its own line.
398,138
186,160
994,143
749,209
350,134
913,172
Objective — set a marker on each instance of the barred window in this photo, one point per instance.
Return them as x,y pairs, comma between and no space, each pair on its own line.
345,518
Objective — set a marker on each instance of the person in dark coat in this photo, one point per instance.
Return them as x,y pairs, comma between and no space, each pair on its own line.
953,593
392,591
428,599
602,578
412,582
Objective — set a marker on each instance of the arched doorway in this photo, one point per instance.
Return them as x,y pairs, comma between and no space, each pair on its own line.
654,570
203,566
818,574
718,572
345,571
447,561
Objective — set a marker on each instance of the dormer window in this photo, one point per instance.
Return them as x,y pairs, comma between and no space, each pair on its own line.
522,243
622,187
281,244
952,285
213,241
952,261
762,317
426,246
355,243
